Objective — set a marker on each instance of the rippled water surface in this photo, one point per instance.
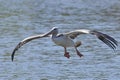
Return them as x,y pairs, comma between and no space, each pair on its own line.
41,59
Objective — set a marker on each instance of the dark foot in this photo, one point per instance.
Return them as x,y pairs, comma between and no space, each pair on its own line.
79,54
67,55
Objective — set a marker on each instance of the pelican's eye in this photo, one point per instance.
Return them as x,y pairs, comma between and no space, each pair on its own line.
55,29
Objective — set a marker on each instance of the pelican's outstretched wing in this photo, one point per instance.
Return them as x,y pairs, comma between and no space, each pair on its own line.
75,33
108,40
26,40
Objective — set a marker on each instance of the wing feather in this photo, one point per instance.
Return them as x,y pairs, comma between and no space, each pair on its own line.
108,40
26,40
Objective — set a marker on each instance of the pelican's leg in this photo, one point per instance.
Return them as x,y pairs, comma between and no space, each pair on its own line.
66,53
78,53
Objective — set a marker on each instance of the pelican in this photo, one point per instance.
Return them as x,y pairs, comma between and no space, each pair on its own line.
66,40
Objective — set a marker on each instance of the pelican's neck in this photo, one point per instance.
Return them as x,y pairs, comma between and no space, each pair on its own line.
54,35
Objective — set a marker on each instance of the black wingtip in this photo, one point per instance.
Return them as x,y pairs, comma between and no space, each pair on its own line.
108,40
112,39
12,56
112,43
16,48
109,43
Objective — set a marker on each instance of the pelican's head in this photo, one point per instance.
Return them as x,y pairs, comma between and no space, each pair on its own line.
53,31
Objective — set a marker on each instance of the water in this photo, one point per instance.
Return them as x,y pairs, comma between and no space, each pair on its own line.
41,59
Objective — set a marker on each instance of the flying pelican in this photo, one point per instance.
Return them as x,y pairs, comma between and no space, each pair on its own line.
66,40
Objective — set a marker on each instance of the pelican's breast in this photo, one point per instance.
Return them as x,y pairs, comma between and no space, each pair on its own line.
63,40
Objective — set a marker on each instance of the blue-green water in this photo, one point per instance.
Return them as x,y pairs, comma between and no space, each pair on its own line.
41,59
